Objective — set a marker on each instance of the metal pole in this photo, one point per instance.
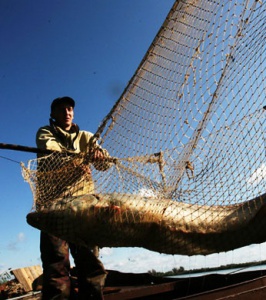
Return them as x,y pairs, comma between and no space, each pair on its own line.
24,148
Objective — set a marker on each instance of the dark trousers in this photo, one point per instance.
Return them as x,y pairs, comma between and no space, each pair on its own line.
56,268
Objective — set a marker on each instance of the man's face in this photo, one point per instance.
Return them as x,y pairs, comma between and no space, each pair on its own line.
63,115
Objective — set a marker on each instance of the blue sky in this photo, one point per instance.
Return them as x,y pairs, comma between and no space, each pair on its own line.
86,49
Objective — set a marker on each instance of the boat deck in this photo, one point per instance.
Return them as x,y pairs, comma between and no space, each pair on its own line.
122,286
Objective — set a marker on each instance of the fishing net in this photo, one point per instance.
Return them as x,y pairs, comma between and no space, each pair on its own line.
62,175
186,138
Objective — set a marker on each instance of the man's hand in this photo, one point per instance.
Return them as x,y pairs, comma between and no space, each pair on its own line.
98,154
99,158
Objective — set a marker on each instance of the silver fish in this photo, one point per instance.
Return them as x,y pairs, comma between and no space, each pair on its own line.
161,225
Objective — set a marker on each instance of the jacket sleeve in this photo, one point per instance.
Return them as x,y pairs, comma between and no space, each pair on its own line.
46,140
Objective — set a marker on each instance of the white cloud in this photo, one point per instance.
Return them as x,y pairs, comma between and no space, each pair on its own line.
21,237
258,175
106,251
13,245
149,193
139,260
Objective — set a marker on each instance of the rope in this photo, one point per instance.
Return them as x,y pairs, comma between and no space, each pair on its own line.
12,160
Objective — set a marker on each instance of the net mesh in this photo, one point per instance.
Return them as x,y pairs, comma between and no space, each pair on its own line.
190,125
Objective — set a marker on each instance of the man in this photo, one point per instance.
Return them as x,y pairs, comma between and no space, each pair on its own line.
64,136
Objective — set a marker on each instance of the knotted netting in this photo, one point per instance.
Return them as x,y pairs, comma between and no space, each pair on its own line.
186,141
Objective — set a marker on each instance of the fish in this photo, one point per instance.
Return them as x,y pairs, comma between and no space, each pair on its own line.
160,225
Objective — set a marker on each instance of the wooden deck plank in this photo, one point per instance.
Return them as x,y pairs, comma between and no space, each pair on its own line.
26,276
